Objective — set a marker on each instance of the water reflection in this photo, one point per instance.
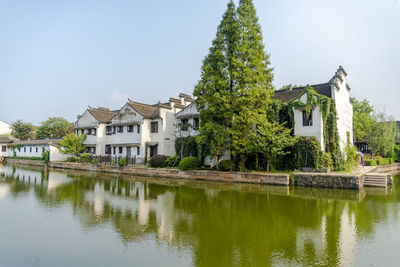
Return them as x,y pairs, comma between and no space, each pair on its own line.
220,224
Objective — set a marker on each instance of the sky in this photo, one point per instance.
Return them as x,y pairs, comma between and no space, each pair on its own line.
58,57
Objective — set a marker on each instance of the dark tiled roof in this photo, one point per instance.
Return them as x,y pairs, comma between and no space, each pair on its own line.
38,142
102,115
5,140
186,97
147,111
287,95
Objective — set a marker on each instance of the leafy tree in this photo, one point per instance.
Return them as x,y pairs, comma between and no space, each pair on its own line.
363,118
53,127
73,144
254,81
22,130
271,139
214,91
236,83
382,137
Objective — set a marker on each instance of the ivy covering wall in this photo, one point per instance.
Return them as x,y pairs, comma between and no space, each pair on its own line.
327,107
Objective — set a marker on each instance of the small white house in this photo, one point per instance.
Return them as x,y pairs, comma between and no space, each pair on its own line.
5,128
337,89
32,149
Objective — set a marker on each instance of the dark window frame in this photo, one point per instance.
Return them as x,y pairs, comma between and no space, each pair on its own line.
307,120
138,128
154,127
130,128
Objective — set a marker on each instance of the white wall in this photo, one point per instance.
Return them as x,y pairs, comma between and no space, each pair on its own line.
29,151
344,109
56,155
316,130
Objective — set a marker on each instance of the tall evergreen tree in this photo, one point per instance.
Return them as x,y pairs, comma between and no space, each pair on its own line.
254,82
236,84
214,91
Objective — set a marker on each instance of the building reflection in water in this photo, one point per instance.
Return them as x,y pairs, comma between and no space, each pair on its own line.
222,224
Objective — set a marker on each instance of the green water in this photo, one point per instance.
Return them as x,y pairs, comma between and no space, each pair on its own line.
83,219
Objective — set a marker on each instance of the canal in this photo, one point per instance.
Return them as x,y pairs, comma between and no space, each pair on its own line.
61,218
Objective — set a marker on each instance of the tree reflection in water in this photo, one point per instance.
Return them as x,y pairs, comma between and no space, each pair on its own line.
221,224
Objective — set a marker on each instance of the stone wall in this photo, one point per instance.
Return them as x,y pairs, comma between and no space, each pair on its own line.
233,177
329,180
25,162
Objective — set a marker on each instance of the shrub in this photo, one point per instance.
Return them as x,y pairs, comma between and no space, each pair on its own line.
351,156
158,161
113,162
226,165
73,159
397,153
327,161
371,162
384,161
86,158
307,153
189,163
94,161
173,161
122,162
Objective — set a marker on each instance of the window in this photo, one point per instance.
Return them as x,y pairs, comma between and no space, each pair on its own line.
184,125
138,129
120,129
114,128
120,149
3,148
94,150
89,131
37,149
138,151
196,123
114,150
154,127
108,149
30,149
307,119
94,131
130,128
24,149
19,149
108,130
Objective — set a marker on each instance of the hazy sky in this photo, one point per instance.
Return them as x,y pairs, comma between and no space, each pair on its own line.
58,57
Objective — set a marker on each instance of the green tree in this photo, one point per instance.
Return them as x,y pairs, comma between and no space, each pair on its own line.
22,130
214,91
73,144
236,83
363,118
382,137
271,139
54,127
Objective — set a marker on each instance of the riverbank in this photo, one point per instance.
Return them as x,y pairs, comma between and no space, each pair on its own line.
353,181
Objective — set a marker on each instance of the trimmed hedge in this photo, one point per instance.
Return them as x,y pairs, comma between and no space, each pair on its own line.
28,158
158,161
189,163
379,162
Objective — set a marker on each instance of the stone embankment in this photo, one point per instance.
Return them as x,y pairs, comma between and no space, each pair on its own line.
233,177
329,180
355,180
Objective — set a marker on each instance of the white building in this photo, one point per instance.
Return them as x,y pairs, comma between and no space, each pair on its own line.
5,128
337,89
136,130
93,122
32,149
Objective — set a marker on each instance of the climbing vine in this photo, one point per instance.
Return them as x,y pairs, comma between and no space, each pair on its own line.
327,107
